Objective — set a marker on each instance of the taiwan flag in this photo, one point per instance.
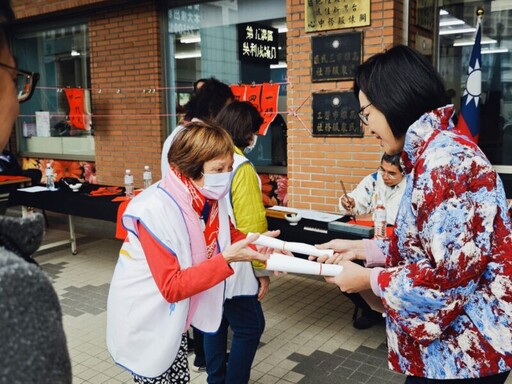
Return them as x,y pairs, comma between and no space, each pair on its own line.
469,121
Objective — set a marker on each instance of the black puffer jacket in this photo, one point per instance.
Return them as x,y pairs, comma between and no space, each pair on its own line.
32,341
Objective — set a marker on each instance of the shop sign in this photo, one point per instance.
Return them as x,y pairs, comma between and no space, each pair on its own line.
336,114
336,56
257,43
325,15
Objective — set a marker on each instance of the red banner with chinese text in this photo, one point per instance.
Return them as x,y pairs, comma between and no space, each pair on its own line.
238,91
268,104
263,97
79,115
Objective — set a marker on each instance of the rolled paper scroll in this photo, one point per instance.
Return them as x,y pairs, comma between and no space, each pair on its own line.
284,263
302,248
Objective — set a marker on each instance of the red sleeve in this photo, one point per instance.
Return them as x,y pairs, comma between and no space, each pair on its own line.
236,235
175,283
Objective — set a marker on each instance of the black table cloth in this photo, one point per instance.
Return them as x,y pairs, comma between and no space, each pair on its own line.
65,201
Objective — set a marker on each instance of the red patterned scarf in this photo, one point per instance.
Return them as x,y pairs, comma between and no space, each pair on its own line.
208,212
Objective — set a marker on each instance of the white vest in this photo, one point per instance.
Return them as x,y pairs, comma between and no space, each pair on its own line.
243,282
144,330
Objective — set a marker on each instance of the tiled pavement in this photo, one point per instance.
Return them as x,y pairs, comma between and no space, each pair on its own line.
308,338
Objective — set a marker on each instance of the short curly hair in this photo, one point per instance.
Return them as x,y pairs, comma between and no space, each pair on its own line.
196,143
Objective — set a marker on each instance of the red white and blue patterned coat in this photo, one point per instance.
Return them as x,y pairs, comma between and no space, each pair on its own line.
447,286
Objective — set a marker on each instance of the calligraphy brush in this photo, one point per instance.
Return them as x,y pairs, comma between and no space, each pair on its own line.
345,193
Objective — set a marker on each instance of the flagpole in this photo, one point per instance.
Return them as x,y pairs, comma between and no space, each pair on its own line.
479,19
479,15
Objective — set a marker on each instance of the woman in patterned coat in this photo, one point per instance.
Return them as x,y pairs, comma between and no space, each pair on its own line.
446,284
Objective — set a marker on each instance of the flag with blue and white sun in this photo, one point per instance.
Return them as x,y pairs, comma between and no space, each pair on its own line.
469,119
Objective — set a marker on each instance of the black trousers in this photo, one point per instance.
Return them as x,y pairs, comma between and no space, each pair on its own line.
199,360
361,304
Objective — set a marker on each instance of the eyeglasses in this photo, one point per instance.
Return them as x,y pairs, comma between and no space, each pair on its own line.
25,82
362,116
391,175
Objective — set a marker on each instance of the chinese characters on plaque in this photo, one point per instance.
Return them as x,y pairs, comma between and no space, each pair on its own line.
335,114
257,43
324,15
336,56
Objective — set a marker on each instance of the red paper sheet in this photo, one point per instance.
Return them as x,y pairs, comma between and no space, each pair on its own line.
268,105
10,177
238,91
121,232
78,116
369,223
106,191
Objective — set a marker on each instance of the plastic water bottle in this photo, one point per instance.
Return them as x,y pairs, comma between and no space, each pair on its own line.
146,176
50,180
128,183
380,220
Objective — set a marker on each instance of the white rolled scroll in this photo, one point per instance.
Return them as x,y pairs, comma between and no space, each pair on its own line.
284,263
302,248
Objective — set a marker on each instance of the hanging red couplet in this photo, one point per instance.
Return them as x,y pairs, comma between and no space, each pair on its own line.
78,115
238,91
268,105
263,97
253,95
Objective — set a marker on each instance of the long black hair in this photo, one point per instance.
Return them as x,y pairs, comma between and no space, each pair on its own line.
242,120
6,18
209,99
402,84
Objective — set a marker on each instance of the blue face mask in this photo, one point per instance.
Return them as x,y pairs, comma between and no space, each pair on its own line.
249,148
216,185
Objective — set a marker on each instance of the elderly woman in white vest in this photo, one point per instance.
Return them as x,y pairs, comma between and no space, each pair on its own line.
244,290
173,263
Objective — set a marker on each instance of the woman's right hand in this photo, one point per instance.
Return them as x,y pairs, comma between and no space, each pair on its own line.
347,202
343,250
353,278
240,251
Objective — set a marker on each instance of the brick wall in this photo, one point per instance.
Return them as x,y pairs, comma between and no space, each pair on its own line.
32,8
316,164
125,56
125,60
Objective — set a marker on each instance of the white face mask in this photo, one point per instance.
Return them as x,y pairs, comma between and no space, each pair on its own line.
216,185
251,147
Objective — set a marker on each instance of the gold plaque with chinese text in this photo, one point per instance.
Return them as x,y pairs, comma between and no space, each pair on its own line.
325,15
